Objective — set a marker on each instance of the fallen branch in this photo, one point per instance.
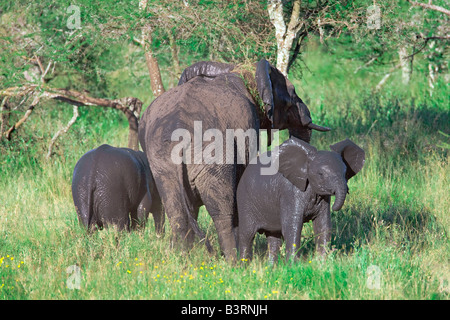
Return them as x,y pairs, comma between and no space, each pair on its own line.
130,106
366,64
386,76
380,84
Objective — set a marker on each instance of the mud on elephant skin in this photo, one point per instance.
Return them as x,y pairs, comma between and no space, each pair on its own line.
300,191
220,97
268,87
114,186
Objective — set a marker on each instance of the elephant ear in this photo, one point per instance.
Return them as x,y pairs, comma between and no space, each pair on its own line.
353,156
208,69
293,161
264,86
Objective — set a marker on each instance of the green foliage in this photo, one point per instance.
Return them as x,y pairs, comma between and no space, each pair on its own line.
395,217
386,221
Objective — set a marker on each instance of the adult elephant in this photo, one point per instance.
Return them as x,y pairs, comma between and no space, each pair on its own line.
216,96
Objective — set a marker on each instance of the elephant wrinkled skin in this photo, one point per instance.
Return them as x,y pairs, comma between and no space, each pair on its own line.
215,94
279,204
114,186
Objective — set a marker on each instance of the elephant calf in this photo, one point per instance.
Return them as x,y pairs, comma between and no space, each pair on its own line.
300,191
114,186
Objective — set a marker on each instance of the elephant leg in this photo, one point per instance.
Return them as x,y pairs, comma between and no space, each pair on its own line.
224,226
245,246
216,187
292,231
274,243
143,211
157,211
135,221
322,230
119,218
111,212
246,237
177,206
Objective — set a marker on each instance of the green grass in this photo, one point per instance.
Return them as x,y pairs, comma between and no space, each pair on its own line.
395,218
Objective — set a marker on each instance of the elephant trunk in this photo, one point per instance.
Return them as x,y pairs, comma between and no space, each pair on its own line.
340,194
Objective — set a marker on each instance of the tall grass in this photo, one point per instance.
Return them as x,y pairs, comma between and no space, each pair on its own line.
395,219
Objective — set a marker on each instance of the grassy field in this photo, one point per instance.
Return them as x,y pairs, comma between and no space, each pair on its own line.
390,240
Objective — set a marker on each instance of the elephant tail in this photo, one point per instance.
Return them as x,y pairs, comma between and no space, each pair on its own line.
90,204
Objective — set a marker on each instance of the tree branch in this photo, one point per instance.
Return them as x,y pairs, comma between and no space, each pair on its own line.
429,6
295,24
24,118
61,131
285,36
447,37
300,39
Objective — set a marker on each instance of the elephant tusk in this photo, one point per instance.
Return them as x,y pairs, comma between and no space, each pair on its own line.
317,127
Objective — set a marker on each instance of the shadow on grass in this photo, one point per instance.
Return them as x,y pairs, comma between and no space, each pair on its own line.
407,228
404,227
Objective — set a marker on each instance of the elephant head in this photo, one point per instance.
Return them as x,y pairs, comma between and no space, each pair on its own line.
326,171
283,108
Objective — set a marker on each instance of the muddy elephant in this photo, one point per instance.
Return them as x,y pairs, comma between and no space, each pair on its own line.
212,100
114,186
299,192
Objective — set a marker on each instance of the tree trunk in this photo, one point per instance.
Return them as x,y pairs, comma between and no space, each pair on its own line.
4,115
286,36
432,68
174,51
152,63
406,65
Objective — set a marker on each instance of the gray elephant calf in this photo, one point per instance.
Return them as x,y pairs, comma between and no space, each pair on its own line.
114,186
300,191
